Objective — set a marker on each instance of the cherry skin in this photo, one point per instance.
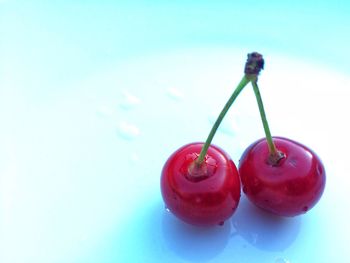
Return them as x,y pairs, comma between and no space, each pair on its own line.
205,195
288,188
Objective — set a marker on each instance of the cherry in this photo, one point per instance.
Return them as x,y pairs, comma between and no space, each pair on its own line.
199,182
278,174
290,187
207,194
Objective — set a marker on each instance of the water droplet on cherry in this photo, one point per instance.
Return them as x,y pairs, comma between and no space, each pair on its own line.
211,161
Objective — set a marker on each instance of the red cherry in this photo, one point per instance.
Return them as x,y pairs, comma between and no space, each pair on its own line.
290,187
204,195
199,182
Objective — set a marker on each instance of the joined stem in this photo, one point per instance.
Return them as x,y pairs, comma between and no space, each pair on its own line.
253,66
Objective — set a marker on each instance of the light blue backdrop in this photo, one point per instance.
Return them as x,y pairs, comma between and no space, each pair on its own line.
95,95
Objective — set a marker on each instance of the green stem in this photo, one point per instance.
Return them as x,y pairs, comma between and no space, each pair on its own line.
272,147
228,104
275,155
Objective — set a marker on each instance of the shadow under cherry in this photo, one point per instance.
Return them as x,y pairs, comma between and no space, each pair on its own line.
196,244
264,230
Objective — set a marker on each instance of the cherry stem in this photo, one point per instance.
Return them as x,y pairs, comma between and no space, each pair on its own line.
272,147
253,66
227,106
275,155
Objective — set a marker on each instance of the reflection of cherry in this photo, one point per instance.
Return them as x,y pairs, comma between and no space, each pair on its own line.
205,195
264,230
278,174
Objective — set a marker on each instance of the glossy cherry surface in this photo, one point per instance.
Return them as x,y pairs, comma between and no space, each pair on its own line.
289,188
201,198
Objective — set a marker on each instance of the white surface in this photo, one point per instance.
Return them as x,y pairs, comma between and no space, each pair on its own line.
95,95
80,170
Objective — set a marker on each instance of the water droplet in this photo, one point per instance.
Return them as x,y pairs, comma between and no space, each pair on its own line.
167,209
128,131
210,161
129,101
281,260
174,94
134,158
104,111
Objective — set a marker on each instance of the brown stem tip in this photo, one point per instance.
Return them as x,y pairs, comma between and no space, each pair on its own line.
254,64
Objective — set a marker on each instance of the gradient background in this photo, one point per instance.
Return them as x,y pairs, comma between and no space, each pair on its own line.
95,95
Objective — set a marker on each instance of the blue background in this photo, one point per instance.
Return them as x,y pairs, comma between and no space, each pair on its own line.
95,95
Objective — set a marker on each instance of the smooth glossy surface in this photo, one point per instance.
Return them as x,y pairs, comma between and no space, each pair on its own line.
290,188
209,200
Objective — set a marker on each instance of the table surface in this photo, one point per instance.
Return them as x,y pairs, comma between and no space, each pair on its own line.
95,95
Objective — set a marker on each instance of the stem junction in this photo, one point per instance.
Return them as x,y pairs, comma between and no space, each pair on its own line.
253,66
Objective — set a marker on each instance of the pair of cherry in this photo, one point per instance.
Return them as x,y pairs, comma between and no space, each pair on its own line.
201,185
